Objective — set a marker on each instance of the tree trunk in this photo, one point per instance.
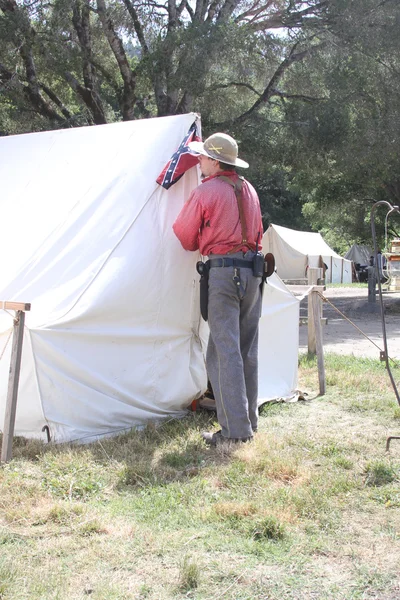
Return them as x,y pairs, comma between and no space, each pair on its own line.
128,96
88,93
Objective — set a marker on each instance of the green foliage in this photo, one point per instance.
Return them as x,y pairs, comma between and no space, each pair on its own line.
379,473
346,154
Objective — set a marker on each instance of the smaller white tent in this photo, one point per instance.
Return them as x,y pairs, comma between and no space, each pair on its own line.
359,254
278,345
296,251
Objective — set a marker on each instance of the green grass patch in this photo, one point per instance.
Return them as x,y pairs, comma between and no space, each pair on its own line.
73,475
379,473
363,383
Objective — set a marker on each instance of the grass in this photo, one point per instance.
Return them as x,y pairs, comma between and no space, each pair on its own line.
356,284
309,510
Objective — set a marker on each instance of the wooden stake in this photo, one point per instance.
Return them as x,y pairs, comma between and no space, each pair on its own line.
312,276
316,309
11,405
312,344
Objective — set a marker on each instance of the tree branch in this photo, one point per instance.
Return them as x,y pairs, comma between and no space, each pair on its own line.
180,8
270,89
226,10
281,18
54,98
254,10
137,25
220,86
106,74
309,99
128,97
190,10
200,11
212,10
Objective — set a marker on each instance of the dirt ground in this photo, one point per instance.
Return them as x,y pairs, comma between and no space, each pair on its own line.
341,337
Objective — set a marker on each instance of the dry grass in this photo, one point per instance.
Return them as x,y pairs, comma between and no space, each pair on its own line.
309,510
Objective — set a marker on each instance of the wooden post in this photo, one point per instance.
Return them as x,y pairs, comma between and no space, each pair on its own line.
11,405
315,301
312,276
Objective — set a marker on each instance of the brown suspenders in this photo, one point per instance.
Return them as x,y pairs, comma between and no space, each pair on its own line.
238,193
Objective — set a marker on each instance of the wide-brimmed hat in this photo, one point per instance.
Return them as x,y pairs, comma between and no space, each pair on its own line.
219,146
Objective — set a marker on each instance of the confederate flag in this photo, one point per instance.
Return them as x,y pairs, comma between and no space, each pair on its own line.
180,161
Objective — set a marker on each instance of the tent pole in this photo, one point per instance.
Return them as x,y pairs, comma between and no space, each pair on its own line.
13,382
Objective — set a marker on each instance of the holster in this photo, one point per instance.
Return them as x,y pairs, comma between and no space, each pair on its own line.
269,268
203,270
269,265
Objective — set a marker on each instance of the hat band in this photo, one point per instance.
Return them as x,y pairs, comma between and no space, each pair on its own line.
221,157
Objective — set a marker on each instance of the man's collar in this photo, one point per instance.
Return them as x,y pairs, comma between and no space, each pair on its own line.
232,174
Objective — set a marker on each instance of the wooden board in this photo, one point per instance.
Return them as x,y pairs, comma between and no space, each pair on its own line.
299,290
14,306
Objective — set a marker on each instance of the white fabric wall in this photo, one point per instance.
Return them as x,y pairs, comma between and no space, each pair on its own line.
278,342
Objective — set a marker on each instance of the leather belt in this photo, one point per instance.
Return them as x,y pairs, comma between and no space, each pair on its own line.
230,262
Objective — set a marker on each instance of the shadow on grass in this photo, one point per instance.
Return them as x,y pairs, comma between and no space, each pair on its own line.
161,453
158,454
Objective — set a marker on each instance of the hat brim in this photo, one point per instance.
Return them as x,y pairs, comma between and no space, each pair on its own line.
198,148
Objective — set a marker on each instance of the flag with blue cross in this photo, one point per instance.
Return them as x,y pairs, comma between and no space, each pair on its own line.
180,161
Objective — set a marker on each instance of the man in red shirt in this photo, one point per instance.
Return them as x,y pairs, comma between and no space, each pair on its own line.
222,219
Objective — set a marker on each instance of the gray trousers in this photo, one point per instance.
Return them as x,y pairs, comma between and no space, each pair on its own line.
232,354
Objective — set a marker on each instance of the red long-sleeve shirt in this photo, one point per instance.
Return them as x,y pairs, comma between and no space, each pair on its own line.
209,220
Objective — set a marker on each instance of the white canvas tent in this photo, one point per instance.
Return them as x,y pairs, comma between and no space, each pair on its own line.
114,335
295,251
359,254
